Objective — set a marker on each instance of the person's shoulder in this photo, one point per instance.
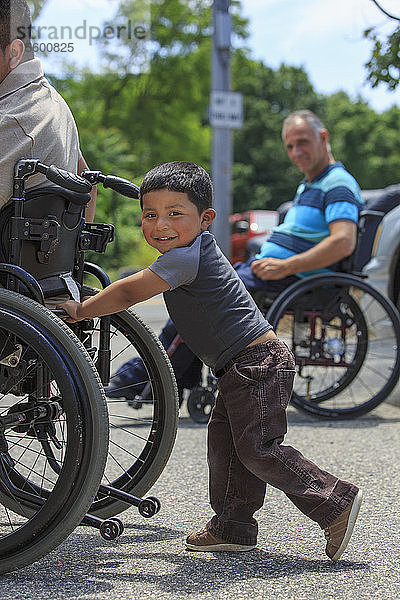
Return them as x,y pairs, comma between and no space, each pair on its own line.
206,240
338,176
208,247
179,266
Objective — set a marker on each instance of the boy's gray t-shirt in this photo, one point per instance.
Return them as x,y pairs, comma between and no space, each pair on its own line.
208,303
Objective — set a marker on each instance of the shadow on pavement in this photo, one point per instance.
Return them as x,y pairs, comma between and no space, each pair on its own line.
90,566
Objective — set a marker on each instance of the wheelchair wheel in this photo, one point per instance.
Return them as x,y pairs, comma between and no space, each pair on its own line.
345,337
200,403
53,431
143,430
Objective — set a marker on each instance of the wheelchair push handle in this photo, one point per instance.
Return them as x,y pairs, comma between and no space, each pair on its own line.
118,184
68,180
81,184
122,186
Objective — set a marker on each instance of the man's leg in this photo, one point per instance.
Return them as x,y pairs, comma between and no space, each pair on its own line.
131,377
254,283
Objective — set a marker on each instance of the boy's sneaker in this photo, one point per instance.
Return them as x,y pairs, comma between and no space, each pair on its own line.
339,532
204,541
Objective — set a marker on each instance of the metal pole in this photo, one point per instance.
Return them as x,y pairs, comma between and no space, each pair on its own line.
221,152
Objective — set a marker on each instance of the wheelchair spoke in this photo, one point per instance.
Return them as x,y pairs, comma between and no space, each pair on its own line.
137,420
128,432
131,454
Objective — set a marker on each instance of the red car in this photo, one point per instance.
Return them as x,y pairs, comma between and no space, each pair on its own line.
247,225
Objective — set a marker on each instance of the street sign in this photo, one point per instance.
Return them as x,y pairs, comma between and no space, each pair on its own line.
226,109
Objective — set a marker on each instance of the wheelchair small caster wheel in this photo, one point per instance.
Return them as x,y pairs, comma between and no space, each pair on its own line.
156,501
148,508
111,529
200,403
119,523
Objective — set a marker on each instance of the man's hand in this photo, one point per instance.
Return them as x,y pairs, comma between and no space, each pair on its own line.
271,268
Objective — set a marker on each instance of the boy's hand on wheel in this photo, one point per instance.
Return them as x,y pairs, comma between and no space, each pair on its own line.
71,307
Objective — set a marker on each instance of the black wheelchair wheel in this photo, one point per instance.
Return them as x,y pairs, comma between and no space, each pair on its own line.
345,337
200,403
143,431
53,434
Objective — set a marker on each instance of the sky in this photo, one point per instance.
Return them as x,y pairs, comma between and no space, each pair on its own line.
324,37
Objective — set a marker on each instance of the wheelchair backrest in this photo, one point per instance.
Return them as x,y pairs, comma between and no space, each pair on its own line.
49,231
379,205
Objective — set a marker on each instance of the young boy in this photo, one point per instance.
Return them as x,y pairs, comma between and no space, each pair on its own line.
218,320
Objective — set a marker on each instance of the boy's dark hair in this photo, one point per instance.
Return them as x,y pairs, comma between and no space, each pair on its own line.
180,176
15,24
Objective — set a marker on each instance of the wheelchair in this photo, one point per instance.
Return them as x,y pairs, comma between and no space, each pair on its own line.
344,334
57,469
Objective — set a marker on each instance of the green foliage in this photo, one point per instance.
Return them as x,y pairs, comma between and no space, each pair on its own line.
129,121
263,177
35,7
384,64
365,141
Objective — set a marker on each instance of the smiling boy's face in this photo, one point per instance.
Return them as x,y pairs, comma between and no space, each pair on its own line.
171,220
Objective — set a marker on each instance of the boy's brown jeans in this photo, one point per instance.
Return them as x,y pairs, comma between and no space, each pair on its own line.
245,450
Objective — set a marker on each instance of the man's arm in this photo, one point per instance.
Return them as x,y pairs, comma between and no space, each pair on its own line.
91,207
339,244
117,296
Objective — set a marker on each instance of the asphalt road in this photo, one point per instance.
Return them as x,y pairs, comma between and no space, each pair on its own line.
149,559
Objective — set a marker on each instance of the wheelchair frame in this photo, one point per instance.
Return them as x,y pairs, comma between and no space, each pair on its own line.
347,350
32,417
339,327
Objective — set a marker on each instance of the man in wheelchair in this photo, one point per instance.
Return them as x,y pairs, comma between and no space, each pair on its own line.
35,121
317,233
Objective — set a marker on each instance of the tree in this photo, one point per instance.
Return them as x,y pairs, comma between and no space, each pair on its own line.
365,141
128,121
35,7
263,176
150,116
384,64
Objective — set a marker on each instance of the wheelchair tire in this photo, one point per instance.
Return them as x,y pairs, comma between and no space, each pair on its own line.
349,360
141,437
54,444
